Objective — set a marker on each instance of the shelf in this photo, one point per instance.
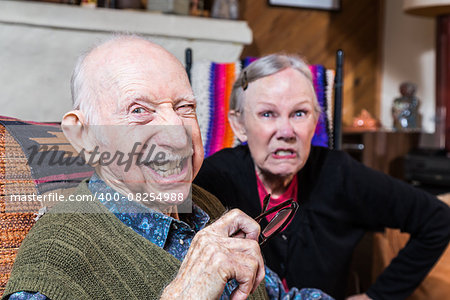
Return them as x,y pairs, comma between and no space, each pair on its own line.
41,42
382,150
73,17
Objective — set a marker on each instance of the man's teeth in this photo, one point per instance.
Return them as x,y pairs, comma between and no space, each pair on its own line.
166,173
168,168
283,152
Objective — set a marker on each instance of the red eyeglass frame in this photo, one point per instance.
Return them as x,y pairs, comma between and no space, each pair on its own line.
289,204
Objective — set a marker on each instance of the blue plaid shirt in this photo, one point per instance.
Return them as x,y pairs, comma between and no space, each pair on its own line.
175,237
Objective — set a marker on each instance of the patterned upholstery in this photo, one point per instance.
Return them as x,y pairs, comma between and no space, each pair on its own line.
25,175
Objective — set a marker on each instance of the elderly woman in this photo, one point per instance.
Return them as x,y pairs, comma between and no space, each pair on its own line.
274,109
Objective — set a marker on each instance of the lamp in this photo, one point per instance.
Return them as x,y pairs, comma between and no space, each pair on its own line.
439,9
428,8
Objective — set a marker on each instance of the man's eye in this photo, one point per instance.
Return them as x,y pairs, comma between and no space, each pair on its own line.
186,109
138,110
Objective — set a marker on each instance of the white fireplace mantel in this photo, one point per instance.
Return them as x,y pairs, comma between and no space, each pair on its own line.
40,43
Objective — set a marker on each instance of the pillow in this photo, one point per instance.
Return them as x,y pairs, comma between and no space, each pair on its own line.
35,160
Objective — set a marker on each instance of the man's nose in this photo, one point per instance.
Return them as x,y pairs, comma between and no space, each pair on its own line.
168,116
285,130
172,132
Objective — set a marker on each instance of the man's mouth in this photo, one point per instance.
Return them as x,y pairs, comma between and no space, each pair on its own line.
168,168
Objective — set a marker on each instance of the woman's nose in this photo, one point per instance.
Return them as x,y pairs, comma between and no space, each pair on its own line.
285,129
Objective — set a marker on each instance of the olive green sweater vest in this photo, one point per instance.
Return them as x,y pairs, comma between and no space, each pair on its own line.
91,254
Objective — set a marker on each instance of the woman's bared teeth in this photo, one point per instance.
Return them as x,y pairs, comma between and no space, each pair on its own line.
283,152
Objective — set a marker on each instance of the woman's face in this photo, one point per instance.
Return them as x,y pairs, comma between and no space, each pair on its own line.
279,122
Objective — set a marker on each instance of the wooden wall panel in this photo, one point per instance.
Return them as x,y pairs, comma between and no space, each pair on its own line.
316,35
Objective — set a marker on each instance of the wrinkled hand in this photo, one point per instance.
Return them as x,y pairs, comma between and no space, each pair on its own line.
359,297
215,257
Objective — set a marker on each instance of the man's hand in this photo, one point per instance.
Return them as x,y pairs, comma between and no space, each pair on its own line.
215,257
359,297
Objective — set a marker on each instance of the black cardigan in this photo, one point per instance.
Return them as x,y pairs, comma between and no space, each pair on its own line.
340,199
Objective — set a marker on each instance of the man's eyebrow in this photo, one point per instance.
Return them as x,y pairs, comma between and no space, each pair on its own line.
134,96
188,97
137,99
142,99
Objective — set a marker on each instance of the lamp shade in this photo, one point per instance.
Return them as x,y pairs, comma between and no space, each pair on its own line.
428,8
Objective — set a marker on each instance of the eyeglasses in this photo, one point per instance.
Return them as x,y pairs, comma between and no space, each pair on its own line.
285,212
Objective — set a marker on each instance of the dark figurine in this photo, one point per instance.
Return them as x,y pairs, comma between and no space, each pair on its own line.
405,110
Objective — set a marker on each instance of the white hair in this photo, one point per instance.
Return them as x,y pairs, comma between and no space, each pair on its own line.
266,66
84,94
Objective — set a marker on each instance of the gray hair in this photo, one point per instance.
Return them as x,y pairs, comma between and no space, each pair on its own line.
83,93
266,66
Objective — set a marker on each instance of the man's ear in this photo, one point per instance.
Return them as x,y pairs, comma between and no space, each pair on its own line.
80,136
237,125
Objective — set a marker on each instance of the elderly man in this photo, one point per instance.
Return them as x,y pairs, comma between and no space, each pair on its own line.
131,240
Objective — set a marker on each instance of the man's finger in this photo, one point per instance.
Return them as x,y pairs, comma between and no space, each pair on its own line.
259,276
235,221
245,276
248,272
247,248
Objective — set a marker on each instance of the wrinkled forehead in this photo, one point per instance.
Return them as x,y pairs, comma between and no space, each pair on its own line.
287,84
136,66
131,58
287,81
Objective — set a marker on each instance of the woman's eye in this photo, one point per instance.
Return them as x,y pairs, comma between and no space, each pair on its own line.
138,110
267,114
300,113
